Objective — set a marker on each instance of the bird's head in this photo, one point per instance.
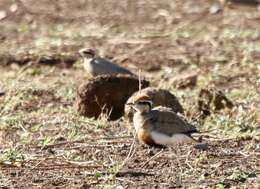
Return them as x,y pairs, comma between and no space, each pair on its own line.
142,104
87,53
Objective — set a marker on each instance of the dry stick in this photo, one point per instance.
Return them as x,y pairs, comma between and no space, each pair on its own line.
94,146
103,113
35,166
130,154
223,139
125,180
139,79
153,157
244,154
186,160
51,167
79,141
79,163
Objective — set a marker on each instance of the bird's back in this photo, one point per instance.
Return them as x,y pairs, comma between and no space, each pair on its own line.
104,66
167,122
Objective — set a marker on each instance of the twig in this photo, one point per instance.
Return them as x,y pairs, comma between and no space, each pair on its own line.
79,163
242,153
139,79
223,139
94,146
51,167
130,154
79,141
186,160
35,166
153,157
125,180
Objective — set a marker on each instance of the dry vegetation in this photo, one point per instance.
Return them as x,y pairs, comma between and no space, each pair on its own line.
45,143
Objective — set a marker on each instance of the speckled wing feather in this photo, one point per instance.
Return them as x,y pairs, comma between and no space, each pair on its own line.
168,122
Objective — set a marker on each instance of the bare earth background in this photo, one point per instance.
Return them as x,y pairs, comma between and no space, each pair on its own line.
44,143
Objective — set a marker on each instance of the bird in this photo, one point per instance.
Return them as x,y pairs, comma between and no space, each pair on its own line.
160,127
96,65
159,97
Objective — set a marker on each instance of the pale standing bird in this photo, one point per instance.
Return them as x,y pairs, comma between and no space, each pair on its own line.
160,126
96,65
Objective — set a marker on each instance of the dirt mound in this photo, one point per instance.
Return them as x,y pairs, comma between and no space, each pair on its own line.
106,94
182,81
212,100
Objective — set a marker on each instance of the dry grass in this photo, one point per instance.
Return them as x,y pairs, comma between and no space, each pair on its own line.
45,143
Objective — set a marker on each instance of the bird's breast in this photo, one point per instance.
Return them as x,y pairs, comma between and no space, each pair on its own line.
145,137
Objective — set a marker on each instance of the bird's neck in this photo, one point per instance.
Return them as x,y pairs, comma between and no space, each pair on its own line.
145,110
87,63
140,119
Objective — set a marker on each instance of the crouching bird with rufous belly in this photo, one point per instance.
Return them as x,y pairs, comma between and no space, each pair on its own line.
160,126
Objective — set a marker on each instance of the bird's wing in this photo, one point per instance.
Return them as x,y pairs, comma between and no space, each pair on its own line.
111,67
162,108
169,123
